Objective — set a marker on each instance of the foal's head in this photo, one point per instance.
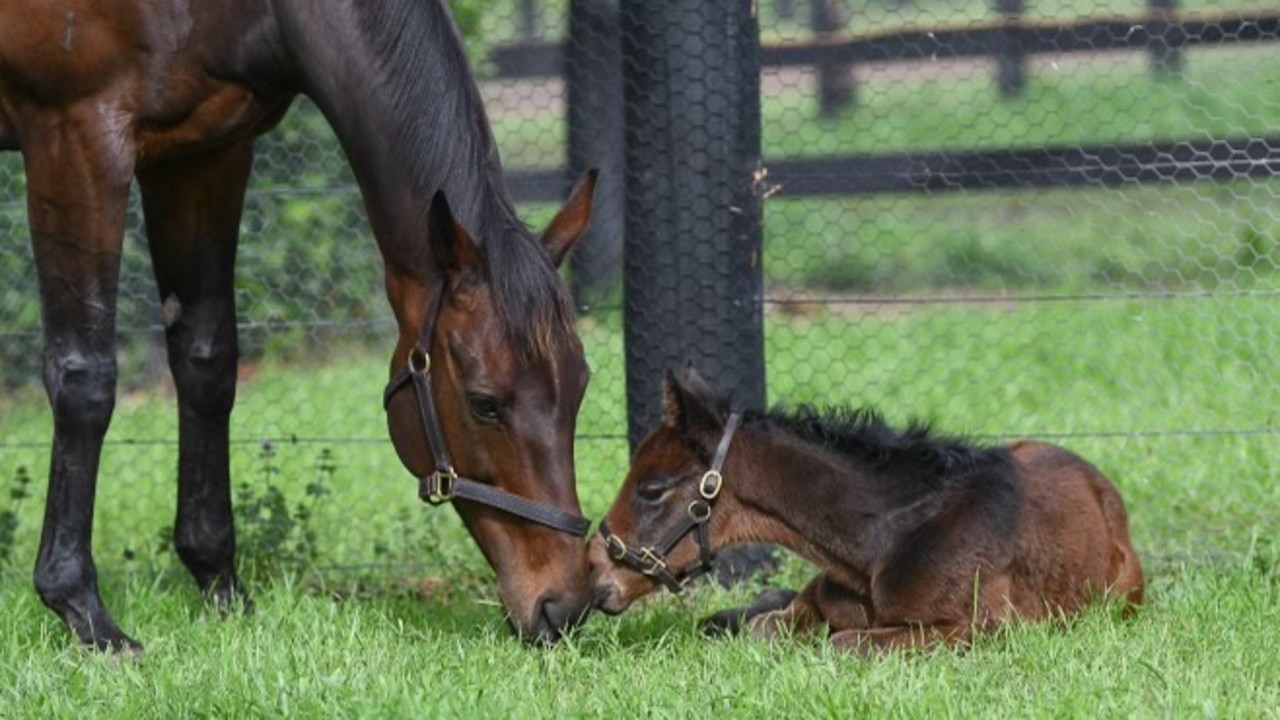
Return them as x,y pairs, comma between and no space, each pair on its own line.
661,527
507,374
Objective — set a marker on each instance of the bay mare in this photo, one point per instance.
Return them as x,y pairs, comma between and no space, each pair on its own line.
171,94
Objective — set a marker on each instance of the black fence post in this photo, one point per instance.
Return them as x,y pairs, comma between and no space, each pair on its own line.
835,79
528,19
691,259
1010,55
593,70
1164,38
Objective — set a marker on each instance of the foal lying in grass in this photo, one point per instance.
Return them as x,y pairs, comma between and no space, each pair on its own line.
919,539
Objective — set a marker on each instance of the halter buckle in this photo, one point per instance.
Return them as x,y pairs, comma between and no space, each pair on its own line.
655,562
419,361
709,485
700,511
615,547
437,488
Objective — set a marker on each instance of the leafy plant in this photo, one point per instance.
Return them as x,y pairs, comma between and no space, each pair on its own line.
9,513
274,535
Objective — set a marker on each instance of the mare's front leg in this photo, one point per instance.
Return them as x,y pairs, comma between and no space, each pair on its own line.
193,209
78,174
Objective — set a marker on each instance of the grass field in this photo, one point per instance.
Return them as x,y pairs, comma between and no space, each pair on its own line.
426,639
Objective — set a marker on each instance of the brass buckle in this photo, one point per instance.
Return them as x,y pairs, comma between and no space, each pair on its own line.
656,563
700,511
439,486
615,547
419,361
709,485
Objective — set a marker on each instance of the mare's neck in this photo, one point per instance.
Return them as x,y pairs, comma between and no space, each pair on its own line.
393,81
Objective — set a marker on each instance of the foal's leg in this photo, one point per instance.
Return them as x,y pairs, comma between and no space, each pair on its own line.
78,174
193,209
730,621
824,602
866,641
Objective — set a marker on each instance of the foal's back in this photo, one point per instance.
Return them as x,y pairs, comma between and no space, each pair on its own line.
1073,538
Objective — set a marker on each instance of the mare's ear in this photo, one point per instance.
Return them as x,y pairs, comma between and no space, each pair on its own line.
454,250
689,403
571,222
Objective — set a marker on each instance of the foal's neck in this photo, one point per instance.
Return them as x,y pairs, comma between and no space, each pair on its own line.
831,508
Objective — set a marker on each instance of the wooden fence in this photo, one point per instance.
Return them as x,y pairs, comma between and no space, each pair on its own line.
1011,38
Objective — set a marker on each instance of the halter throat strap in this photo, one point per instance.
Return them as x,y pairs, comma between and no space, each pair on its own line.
651,560
444,484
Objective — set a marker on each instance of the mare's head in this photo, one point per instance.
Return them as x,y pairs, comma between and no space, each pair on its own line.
661,528
504,374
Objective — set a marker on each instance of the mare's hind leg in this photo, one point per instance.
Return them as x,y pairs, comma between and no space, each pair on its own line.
78,175
193,209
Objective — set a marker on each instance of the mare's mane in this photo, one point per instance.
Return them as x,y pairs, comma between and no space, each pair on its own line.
447,142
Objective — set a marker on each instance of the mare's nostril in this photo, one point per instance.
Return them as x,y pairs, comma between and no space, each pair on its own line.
555,616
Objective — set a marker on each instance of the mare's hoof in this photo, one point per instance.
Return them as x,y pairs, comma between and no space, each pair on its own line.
122,649
230,599
733,620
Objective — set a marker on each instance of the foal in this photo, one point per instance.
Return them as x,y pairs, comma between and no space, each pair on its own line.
919,539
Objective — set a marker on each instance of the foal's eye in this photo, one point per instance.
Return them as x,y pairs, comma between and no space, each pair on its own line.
484,408
653,490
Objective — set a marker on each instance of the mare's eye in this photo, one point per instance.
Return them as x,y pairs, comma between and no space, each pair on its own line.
484,408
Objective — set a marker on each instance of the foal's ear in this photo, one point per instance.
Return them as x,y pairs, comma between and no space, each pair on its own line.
451,245
571,222
688,403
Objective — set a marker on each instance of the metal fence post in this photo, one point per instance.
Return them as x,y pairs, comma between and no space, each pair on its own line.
593,69
692,276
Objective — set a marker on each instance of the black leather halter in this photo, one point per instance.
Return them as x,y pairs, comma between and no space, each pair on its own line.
651,560
444,484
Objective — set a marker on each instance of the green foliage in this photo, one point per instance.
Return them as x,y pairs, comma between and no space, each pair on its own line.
9,517
274,537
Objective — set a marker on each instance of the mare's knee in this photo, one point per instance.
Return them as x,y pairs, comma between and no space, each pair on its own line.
204,370
81,389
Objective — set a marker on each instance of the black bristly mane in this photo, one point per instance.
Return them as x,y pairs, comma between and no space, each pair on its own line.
448,143
914,453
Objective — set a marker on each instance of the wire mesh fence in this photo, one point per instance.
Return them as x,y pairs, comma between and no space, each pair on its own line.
1053,219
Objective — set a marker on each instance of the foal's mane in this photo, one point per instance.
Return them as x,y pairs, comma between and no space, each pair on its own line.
448,142
864,435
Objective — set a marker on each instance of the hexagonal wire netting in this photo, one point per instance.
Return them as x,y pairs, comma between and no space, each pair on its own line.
1055,219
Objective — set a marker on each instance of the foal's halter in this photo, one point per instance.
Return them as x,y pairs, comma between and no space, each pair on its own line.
651,560
444,484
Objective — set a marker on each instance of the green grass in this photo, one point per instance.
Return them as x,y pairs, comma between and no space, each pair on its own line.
414,629
1198,650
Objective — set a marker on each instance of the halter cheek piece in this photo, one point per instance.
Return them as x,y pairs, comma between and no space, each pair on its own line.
651,560
444,484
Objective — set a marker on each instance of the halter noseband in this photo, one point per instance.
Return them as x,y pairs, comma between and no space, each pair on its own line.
444,484
651,560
